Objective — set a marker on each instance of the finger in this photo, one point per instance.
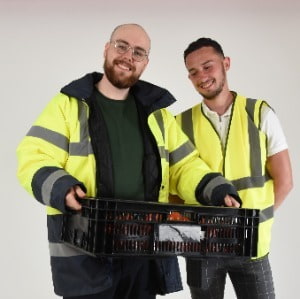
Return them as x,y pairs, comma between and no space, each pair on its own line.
73,204
227,201
79,192
71,200
235,203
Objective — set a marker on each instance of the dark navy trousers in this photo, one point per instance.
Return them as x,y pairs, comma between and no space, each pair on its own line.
131,280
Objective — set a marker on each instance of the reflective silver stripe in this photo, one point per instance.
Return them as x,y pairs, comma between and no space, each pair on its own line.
266,214
181,152
50,136
256,179
250,182
187,124
63,250
81,148
207,193
164,154
254,142
159,119
178,154
48,185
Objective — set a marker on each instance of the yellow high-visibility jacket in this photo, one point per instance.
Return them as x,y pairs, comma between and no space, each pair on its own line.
57,153
242,161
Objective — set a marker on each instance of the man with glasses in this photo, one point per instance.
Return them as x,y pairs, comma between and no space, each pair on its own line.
109,135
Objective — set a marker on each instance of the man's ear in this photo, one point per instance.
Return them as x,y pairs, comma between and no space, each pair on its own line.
107,45
226,63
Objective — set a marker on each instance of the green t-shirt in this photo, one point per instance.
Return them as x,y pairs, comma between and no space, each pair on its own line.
126,144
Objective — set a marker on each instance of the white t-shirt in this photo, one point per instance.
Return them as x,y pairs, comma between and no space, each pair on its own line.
270,125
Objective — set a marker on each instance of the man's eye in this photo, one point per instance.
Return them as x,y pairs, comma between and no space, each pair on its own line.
139,53
122,47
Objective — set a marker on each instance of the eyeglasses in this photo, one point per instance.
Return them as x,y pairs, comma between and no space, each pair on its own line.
138,54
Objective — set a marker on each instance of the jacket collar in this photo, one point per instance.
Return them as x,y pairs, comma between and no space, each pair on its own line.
150,96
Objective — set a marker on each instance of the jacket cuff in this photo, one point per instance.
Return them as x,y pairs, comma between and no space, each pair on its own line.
219,193
213,188
51,184
60,190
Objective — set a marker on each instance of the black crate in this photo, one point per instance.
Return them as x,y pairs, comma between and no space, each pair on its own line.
121,228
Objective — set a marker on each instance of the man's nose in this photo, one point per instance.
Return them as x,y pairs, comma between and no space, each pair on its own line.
128,54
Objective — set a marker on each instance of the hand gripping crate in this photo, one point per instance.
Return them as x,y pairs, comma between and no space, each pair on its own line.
109,227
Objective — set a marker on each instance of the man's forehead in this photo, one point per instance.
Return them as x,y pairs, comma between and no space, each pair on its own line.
203,54
132,34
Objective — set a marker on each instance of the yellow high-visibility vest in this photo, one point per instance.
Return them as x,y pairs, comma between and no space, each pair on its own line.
242,160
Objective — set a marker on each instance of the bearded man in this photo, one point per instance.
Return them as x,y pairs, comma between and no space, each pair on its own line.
110,135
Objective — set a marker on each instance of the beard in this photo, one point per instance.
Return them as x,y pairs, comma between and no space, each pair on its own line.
210,95
120,80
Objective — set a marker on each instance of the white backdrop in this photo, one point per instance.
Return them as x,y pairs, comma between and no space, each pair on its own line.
45,44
